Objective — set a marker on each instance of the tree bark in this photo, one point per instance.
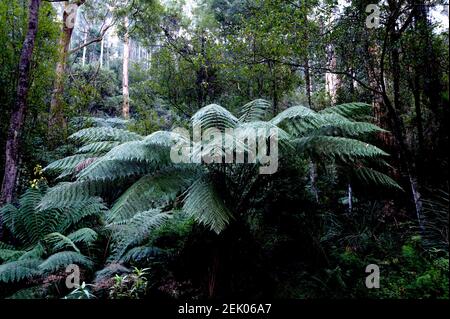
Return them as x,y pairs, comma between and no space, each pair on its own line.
56,120
125,84
19,109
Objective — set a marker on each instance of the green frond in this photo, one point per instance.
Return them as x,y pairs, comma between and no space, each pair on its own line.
371,176
98,148
86,236
204,204
128,160
141,253
110,271
58,242
255,111
148,192
7,255
36,292
164,138
135,230
63,259
214,116
37,252
101,134
298,119
354,110
338,125
73,194
66,166
332,147
19,270
26,223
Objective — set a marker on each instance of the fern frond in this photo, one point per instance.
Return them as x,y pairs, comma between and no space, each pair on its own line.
66,166
98,148
136,229
149,192
19,270
59,242
101,134
86,236
255,111
36,292
141,253
214,116
7,255
63,259
338,125
354,110
371,176
37,252
298,119
109,271
343,148
204,204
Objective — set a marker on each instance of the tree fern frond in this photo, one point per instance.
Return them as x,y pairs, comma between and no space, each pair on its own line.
98,148
59,242
141,253
135,230
63,259
19,270
203,203
338,147
101,134
36,292
338,125
214,116
87,236
371,176
7,255
37,252
354,110
149,192
73,194
255,111
109,271
298,119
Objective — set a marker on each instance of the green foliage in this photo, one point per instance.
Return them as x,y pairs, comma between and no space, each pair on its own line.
131,286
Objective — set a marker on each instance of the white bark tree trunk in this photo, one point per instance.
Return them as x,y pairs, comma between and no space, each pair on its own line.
125,87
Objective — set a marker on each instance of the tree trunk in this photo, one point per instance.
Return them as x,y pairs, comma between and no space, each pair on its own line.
56,120
125,87
101,52
85,48
19,109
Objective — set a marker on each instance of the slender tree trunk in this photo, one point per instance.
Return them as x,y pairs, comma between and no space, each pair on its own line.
57,121
350,198
308,81
19,109
85,48
125,85
101,52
